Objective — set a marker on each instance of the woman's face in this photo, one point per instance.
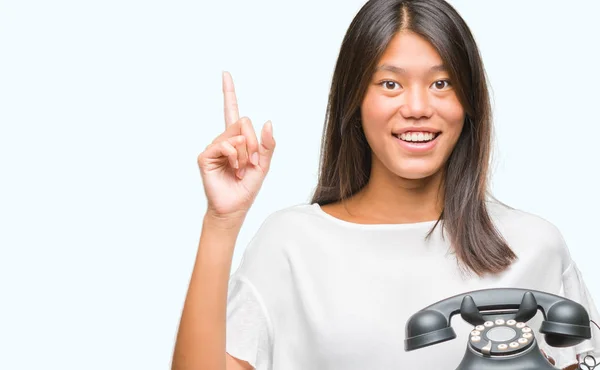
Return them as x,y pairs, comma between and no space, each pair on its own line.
411,115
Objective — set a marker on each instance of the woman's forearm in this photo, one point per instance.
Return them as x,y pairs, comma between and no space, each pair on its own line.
200,340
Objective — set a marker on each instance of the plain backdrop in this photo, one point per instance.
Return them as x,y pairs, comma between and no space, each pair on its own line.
105,106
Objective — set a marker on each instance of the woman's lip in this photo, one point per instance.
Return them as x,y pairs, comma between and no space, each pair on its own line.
417,147
417,129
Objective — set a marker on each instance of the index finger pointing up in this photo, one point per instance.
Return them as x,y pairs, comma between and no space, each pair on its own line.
232,114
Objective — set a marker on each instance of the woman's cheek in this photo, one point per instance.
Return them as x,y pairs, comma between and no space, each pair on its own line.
451,111
379,111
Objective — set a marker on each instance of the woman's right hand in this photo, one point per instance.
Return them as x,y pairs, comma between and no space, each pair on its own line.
233,167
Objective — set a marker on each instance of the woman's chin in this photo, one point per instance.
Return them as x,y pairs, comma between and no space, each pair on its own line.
406,168
416,173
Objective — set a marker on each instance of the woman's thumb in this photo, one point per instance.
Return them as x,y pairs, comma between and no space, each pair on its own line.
267,145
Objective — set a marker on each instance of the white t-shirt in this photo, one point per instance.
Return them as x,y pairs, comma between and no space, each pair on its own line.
316,292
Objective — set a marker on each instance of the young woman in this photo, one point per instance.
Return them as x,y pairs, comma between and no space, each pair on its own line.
400,219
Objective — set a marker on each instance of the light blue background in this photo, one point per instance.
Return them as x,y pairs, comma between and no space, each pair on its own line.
105,105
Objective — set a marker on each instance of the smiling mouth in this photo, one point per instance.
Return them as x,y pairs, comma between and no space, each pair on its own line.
417,137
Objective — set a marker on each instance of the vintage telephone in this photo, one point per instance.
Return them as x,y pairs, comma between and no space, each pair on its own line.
501,338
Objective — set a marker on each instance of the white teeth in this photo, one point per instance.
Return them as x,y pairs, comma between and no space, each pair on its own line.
417,136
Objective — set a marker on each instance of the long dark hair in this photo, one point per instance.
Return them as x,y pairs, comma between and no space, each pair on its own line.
346,156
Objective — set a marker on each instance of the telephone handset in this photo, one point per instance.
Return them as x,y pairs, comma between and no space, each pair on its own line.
501,338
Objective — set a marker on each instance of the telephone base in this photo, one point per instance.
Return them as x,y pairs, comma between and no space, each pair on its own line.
532,359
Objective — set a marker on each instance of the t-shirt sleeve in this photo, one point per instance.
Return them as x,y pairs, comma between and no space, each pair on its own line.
248,335
575,289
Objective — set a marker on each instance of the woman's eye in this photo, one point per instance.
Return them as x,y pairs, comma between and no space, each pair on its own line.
389,85
441,84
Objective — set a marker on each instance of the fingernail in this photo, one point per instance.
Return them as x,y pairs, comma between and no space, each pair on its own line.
242,172
236,164
254,158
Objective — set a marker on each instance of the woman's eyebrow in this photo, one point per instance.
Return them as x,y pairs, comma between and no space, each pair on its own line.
398,70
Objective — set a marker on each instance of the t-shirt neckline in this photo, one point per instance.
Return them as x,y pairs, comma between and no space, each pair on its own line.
317,208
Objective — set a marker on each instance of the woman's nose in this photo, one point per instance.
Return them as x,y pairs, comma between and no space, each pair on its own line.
416,104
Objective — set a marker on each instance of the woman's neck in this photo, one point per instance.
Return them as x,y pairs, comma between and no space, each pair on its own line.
398,200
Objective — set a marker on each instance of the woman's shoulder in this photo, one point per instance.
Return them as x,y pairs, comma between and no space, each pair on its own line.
520,220
288,222
527,229
280,231
290,217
